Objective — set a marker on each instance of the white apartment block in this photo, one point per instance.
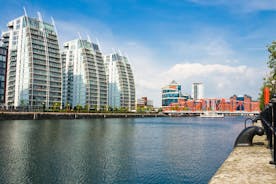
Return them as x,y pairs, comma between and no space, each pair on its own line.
121,87
84,75
33,64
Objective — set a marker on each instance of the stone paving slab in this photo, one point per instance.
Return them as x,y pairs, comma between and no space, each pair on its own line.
247,165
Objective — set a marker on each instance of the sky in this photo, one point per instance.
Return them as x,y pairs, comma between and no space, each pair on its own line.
221,43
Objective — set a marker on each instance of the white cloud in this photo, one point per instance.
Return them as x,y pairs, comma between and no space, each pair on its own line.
220,80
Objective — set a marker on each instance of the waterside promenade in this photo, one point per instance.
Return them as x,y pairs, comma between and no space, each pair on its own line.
197,113
248,165
71,115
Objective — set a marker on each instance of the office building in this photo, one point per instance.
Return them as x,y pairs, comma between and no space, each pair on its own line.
84,75
121,88
171,94
197,91
144,102
33,64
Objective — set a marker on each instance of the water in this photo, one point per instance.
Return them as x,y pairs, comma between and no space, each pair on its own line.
134,150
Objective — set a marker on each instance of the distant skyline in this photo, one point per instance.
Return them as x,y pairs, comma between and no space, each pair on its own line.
218,42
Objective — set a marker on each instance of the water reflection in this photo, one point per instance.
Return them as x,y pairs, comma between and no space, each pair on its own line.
148,150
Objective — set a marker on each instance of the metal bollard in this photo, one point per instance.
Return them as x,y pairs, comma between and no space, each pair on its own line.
246,136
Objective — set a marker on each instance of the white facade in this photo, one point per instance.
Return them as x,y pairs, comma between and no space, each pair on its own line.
121,87
34,65
197,91
84,75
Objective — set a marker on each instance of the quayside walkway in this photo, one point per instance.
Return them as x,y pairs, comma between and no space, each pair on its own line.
248,165
73,115
197,113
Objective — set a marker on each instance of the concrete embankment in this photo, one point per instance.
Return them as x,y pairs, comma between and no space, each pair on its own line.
53,115
247,165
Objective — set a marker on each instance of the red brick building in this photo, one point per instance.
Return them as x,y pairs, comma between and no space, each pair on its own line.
235,103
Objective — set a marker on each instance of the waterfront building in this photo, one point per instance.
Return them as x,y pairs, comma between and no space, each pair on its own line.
144,103
33,63
84,75
234,103
171,94
197,90
121,87
244,103
3,62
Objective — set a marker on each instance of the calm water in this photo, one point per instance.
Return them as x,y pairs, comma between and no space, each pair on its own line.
142,150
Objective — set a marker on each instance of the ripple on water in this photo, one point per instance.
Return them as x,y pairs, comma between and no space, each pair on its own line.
141,150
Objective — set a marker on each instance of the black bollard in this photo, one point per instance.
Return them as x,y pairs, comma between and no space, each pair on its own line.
246,136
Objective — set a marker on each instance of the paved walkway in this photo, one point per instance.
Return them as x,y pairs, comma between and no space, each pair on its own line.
247,165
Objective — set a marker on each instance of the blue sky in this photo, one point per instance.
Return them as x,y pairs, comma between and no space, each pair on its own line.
218,42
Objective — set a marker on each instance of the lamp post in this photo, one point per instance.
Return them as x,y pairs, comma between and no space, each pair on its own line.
56,104
273,102
43,106
68,107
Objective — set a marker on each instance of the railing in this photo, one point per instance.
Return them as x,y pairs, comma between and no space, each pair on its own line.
268,118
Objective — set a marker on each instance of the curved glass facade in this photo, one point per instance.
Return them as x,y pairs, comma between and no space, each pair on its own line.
84,75
171,94
121,87
34,64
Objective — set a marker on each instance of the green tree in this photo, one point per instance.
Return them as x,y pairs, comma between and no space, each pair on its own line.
267,82
86,108
160,109
110,109
78,108
56,106
272,57
67,107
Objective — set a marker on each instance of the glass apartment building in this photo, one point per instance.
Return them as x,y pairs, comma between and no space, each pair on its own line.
33,64
121,87
84,75
3,56
171,94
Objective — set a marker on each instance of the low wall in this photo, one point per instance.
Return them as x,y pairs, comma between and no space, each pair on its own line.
51,115
247,165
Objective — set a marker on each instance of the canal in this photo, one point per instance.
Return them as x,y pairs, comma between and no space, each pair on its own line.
131,150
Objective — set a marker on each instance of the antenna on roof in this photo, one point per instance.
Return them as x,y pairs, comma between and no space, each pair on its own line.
81,41
113,50
53,23
39,16
88,37
120,52
25,12
98,43
79,35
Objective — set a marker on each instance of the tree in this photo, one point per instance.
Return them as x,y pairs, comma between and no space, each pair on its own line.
160,109
272,57
67,107
268,81
86,107
78,108
56,106
110,109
